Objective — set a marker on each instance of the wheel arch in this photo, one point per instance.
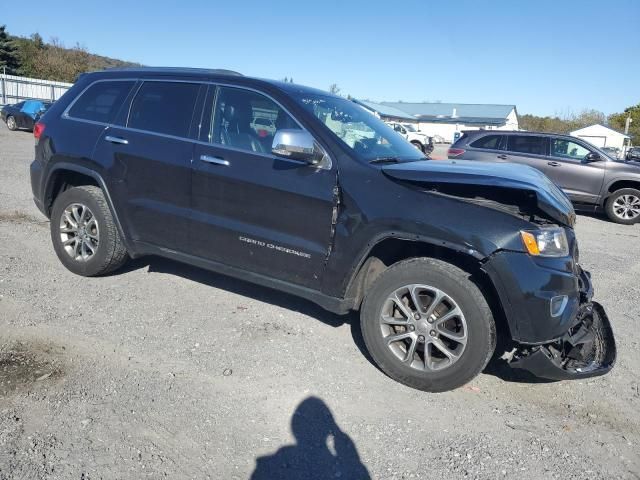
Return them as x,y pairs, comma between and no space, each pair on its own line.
392,249
618,185
67,175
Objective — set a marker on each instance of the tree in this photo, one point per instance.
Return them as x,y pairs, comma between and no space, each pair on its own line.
334,88
565,124
8,56
618,120
28,50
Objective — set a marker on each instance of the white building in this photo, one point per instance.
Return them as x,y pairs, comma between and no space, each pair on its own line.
602,136
445,119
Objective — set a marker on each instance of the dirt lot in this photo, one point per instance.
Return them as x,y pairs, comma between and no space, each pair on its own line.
164,370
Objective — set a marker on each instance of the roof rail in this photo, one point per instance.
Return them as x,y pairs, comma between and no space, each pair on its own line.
215,71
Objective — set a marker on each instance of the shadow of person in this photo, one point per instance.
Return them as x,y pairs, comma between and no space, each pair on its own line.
321,451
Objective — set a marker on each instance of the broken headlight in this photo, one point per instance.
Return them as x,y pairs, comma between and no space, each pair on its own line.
546,242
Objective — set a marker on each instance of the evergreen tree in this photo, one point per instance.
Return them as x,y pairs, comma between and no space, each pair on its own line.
8,57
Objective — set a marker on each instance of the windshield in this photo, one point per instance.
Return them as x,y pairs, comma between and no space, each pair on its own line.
410,127
368,136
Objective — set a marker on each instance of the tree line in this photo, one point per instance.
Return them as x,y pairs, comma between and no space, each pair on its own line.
33,57
569,122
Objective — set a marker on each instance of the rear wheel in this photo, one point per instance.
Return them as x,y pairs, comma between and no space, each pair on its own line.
84,234
11,123
623,206
427,325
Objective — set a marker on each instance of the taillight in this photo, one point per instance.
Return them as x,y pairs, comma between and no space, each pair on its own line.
455,152
38,130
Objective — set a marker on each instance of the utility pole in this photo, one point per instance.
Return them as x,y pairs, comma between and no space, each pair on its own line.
627,124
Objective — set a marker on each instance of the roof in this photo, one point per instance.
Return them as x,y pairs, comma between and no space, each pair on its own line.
469,110
385,110
590,128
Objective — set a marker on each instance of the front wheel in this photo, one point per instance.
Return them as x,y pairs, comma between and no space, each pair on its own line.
11,123
623,206
418,145
427,325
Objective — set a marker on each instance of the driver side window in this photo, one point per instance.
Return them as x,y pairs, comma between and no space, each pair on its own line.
247,120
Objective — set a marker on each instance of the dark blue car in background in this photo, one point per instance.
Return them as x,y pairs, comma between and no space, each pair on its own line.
24,114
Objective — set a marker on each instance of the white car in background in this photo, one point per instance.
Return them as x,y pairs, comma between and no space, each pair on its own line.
422,142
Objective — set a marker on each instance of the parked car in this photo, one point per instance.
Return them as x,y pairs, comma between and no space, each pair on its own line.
23,114
592,180
421,141
263,126
440,258
633,154
612,152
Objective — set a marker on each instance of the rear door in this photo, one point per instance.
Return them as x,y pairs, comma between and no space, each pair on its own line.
568,168
148,152
252,209
527,150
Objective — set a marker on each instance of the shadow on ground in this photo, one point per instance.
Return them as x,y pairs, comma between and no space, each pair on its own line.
497,367
251,290
321,449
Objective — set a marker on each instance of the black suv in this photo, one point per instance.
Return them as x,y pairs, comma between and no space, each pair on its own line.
589,176
440,258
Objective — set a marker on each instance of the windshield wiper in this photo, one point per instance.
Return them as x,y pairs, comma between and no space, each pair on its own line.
385,160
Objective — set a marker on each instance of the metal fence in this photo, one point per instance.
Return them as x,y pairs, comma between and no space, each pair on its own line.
14,89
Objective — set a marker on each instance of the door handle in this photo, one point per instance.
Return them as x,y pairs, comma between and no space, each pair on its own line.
121,141
214,160
502,157
553,164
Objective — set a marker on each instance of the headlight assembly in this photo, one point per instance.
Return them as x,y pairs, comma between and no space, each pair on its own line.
546,242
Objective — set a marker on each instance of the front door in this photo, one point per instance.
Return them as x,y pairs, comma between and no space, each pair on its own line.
568,168
251,209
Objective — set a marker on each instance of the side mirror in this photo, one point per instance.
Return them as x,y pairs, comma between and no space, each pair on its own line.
592,157
295,145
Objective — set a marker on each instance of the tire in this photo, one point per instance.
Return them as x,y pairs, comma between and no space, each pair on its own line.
617,206
99,233
418,145
11,123
454,283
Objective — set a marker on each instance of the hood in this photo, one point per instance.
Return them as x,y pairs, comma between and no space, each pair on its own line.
550,199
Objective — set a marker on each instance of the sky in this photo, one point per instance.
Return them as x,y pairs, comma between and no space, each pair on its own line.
546,57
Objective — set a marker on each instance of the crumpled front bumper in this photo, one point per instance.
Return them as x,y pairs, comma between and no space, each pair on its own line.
588,349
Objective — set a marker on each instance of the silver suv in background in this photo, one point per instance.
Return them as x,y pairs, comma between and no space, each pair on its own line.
590,178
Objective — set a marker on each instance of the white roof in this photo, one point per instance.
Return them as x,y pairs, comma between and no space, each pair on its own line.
598,130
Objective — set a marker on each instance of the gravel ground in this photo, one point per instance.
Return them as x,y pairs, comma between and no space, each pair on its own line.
164,370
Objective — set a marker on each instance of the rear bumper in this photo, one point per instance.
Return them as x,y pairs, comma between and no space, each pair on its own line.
36,181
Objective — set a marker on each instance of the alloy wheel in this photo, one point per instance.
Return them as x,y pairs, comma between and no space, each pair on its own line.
626,207
79,232
423,327
11,123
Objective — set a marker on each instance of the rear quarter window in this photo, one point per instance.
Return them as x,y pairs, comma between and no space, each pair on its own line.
492,142
101,101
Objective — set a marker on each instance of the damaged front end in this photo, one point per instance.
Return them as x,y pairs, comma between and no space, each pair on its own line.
588,349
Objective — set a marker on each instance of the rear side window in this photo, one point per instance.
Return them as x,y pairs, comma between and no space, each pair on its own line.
492,142
527,144
164,107
101,101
